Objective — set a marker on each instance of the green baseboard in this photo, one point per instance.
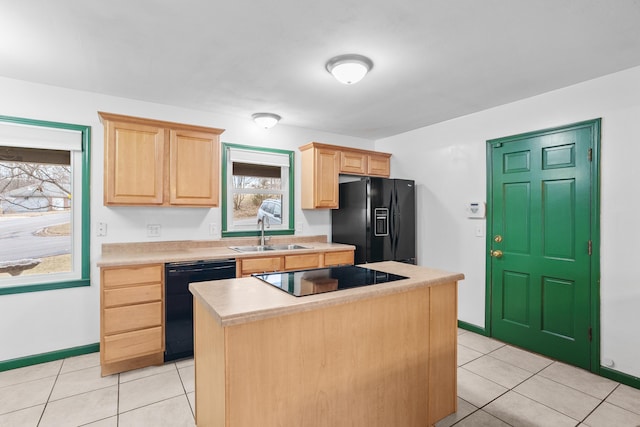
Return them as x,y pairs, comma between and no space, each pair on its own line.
472,328
48,357
622,378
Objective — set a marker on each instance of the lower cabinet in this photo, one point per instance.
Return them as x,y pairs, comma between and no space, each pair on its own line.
131,317
265,264
132,324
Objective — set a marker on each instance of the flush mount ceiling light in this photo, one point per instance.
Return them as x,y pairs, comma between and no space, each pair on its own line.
266,120
350,68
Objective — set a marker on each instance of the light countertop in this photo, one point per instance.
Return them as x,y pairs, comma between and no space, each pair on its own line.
122,254
242,300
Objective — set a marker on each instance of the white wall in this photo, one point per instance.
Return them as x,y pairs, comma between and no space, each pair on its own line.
38,322
448,162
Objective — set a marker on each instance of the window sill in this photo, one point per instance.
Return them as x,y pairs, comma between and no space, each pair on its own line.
283,232
20,289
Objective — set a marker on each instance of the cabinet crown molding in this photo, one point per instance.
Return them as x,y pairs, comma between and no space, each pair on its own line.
158,123
341,148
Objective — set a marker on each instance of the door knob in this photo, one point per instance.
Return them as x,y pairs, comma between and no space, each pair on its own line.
496,254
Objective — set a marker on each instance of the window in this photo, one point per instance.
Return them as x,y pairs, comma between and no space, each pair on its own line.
44,205
257,189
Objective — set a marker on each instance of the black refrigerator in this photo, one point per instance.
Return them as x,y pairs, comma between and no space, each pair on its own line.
378,217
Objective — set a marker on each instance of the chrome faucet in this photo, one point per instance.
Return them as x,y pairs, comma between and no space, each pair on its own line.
263,240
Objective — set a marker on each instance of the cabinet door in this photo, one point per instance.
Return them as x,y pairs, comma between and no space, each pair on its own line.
378,165
134,164
353,162
327,166
194,165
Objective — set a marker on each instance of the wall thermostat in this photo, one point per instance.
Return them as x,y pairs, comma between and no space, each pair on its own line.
476,209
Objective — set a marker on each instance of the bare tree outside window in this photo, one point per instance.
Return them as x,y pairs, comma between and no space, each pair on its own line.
249,193
257,191
35,211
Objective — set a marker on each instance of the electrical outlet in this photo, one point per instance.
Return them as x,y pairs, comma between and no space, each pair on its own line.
101,229
213,229
153,230
299,226
479,231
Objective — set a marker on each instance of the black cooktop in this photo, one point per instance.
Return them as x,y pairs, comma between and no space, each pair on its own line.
310,282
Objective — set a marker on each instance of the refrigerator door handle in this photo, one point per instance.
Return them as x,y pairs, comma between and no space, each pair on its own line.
396,226
392,228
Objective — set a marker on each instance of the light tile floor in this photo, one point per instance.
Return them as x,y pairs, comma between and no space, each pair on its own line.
498,385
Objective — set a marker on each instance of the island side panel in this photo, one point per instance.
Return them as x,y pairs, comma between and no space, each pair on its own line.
209,368
443,330
362,364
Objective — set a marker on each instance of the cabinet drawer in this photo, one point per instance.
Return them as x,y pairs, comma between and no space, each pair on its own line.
132,295
338,258
260,265
119,319
302,261
132,344
112,277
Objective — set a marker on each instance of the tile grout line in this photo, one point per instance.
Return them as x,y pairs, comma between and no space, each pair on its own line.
502,394
185,389
601,402
46,403
118,403
541,403
573,388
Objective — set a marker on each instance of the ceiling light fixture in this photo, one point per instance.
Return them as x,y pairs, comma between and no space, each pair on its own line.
266,120
350,68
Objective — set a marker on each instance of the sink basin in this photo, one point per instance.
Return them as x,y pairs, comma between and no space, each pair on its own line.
287,247
259,248
251,248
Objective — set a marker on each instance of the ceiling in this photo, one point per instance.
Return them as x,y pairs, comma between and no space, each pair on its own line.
433,59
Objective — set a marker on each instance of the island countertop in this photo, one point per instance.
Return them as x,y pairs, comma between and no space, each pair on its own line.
242,300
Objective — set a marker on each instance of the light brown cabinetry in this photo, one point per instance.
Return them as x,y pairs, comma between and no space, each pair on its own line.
353,163
378,165
151,162
131,317
265,264
320,170
338,258
395,354
323,163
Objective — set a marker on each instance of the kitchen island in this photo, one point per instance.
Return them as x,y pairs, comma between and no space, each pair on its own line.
380,355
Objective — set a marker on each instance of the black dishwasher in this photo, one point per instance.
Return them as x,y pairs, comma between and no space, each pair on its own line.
179,301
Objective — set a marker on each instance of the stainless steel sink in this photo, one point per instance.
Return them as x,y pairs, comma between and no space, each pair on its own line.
257,248
287,247
262,248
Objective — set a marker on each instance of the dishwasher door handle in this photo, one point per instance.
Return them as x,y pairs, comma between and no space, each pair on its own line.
197,270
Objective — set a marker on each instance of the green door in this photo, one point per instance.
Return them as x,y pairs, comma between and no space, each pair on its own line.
540,241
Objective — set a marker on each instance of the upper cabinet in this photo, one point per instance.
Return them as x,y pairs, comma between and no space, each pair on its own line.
151,162
322,164
320,169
